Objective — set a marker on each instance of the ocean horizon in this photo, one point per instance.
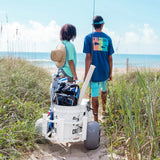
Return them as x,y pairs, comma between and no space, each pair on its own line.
42,59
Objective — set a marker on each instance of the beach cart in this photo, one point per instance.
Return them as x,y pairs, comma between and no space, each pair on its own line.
72,123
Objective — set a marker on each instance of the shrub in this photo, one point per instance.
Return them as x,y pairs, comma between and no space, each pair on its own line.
24,96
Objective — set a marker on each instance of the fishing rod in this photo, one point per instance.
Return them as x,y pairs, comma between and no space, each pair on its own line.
93,14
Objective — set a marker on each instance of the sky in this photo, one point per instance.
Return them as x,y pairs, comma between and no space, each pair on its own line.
34,25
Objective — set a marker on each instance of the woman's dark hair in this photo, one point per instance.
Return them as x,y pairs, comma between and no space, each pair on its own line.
67,32
97,19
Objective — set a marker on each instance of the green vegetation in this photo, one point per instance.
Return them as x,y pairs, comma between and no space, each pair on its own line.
24,96
132,123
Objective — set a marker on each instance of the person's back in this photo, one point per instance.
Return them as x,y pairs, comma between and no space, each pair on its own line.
71,56
100,53
98,48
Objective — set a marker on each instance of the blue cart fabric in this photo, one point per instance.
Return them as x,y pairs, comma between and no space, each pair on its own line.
51,115
67,94
62,93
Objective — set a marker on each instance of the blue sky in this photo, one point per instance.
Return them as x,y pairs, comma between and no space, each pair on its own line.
134,26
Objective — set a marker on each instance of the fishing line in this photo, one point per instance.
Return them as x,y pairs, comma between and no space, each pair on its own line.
92,48
93,14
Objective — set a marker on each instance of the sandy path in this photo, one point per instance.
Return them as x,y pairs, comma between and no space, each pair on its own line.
76,151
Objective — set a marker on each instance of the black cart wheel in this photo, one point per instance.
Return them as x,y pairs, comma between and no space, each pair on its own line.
93,135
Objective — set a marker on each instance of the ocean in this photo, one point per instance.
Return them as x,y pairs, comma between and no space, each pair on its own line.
119,60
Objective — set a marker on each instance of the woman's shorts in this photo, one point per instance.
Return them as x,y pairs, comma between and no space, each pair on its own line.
95,86
70,79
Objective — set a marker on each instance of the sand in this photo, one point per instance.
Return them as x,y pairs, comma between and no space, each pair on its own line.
76,151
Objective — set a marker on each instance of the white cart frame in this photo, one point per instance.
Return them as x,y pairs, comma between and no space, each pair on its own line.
70,122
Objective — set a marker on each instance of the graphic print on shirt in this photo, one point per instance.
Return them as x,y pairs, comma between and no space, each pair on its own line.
100,44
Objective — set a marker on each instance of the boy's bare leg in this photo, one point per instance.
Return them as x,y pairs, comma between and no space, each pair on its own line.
103,97
95,105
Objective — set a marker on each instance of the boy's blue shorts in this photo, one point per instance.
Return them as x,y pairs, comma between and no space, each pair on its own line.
95,86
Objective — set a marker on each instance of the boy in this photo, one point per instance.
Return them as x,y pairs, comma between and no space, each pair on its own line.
98,48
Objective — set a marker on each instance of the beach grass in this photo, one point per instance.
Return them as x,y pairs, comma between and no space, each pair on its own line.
132,123
24,96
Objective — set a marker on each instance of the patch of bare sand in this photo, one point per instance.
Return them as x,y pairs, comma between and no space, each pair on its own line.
75,151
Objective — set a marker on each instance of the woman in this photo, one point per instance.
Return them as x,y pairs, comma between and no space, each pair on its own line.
68,33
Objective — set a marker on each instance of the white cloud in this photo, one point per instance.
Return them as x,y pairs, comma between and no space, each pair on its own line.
138,41
40,33
44,38
148,35
131,37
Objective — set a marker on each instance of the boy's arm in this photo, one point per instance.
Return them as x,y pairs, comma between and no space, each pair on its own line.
110,67
87,64
72,66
